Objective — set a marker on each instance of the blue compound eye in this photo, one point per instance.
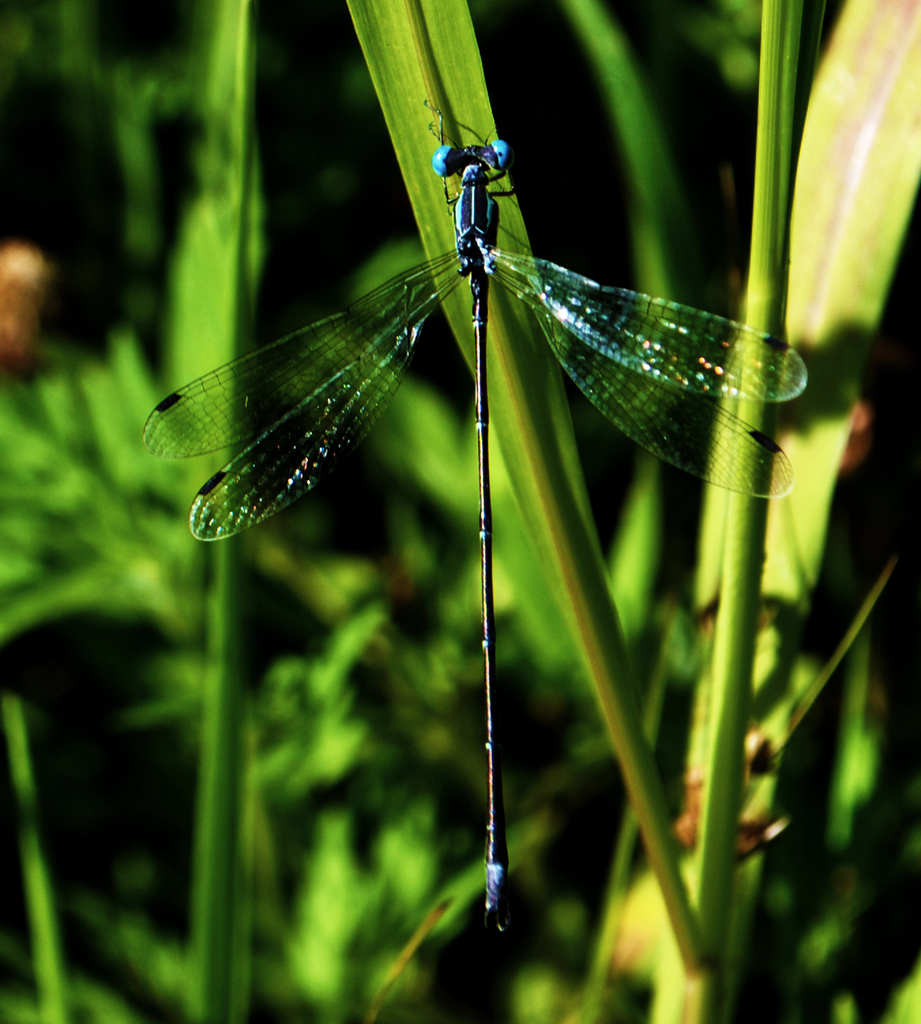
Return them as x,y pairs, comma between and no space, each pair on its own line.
440,161
505,156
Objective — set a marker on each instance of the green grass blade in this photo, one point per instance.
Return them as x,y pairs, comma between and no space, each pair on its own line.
662,234
211,281
636,554
47,955
211,289
857,758
853,631
621,870
746,518
432,55
905,1003
219,904
856,186
861,141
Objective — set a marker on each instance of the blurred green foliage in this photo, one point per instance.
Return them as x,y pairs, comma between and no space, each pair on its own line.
364,759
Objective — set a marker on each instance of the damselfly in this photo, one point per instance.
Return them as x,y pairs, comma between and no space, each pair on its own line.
657,369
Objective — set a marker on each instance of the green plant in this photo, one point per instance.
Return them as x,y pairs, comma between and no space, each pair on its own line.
319,686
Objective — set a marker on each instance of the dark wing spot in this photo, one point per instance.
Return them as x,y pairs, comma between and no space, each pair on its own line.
216,479
762,439
168,402
782,346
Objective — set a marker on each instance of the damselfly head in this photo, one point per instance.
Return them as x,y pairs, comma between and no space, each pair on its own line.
449,160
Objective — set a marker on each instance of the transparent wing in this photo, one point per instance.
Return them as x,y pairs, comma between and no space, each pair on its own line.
303,403
682,348
650,366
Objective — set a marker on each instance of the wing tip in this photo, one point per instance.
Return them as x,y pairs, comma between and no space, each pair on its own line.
775,342
766,442
208,486
210,519
168,402
202,522
151,427
781,481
